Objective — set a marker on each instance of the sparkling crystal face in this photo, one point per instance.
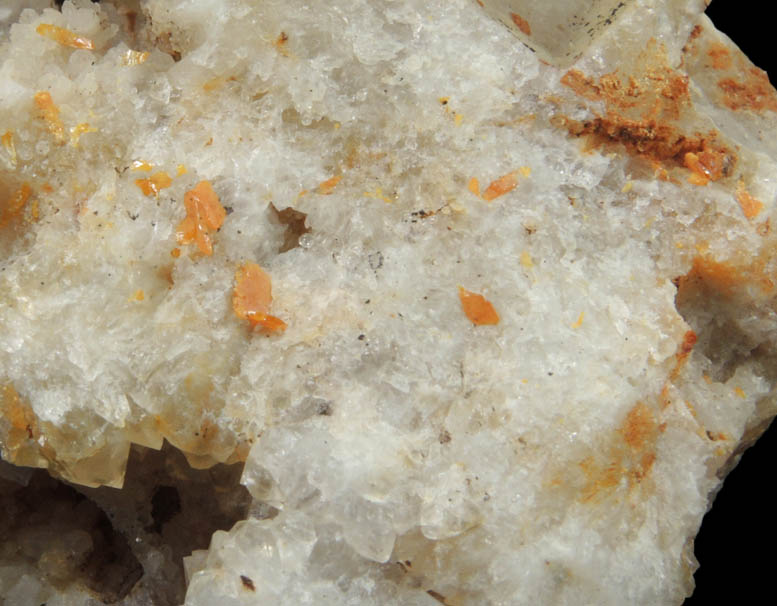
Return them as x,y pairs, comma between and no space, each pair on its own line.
557,30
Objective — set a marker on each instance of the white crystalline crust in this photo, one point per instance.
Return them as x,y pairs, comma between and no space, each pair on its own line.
562,456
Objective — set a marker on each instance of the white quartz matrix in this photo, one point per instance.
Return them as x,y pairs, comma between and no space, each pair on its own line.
615,214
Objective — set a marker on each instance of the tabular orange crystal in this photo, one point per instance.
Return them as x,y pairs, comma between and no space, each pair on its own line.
252,298
204,214
501,186
328,186
474,186
749,205
64,36
50,113
141,165
479,310
155,183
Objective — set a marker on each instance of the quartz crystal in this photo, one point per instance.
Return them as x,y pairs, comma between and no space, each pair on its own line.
482,329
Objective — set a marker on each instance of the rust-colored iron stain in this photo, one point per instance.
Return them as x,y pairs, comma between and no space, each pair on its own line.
63,36
14,206
751,207
154,184
689,340
252,297
631,455
753,92
204,214
477,308
501,186
708,277
599,478
720,56
639,427
521,23
281,44
640,114
50,114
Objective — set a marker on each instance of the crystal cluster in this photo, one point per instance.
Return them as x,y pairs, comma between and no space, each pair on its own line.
484,330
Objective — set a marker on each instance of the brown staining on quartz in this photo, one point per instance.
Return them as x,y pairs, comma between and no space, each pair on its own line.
281,44
642,111
437,596
752,91
165,43
521,23
294,221
12,207
21,422
247,583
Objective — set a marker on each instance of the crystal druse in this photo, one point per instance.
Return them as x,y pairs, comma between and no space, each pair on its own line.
481,329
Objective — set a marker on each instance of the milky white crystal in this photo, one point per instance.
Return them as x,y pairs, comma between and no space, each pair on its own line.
405,454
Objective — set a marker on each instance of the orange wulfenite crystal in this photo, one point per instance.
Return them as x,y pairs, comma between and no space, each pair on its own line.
154,183
750,206
328,186
50,113
500,187
252,297
64,36
479,310
204,213
474,186
141,165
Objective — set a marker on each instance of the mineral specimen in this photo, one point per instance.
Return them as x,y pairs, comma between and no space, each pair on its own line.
522,315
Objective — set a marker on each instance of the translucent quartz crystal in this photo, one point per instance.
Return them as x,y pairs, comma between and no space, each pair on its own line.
521,317
557,30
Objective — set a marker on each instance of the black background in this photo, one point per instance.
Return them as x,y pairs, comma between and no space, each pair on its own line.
737,541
